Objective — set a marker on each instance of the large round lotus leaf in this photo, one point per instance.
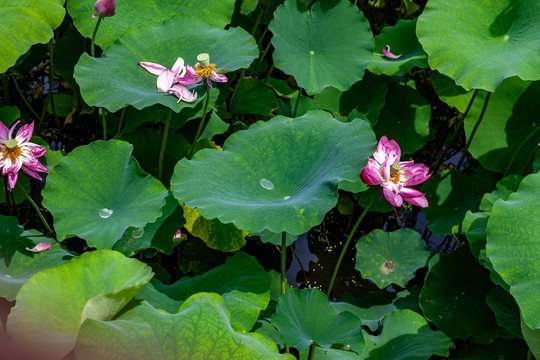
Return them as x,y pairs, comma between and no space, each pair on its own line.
129,14
98,191
241,281
17,264
252,96
402,41
367,96
17,37
454,300
305,317
218,236
481,43
532,337
450,195
308,45
510,130
286,183
199,330
503,189
505,309
404,118
406,335
53,304
116,79
513,246
474,226
449,92
390,257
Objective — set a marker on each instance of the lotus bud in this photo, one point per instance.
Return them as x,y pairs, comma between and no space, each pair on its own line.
104,8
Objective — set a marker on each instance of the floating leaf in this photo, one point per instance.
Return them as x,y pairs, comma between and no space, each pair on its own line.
410,333
480,43
98,191
252,96
17,265
121,81
390,257
319,56
510,130
402,41
44,15
53,304
513,246
201,329
454,300
129,14
305,317
252,188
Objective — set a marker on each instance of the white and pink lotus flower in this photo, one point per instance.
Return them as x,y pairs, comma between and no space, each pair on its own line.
394,176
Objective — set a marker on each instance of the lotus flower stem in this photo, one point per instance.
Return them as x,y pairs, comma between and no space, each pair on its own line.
344,250
92,50
297,102
8,201
519,150
164,144
51,77
104,122
454,134
22,96
256,71
51,233
469,140
122,118
311,354
268,73
201,125
284,284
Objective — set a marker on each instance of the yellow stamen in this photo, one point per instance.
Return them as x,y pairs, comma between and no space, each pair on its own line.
11,153
205,72
395,177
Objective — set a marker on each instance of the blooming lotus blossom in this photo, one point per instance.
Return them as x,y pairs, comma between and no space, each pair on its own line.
42,246
19,153
203,71
167,79
104,8
388,54
394,176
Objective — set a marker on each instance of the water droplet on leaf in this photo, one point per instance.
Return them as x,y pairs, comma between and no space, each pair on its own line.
266,184
286,197
137,232
105,213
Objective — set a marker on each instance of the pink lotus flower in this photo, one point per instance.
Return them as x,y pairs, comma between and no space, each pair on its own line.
388,54
168,77
40,247
104,8
19,153
394,176
203,71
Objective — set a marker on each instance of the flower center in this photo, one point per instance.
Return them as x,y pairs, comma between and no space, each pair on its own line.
11,150
205,72
395,173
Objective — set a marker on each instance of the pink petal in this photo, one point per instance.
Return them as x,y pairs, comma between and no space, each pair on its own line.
182,93
415,174
12,128
394,199
177,235
42,246
12,179
4,132
178,68
218,77
37,150
371,175
414,197
189,80
165,81
387,54
152,68
25,133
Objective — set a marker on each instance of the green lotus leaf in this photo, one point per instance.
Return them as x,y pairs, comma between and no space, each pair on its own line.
391,257
481,43
474,227
115,79
503,189
450,195
199,330
252,96
241,281
536,162
305,317
306,104
402,41
53,304
157,235
17,37
17,264
532,337
501,349
375,305
218,236
454,300
449,92
9,114
505,309
98,191
18,195
410,333
286,183
513,246
273,238
318,55
404,118
510,130
130,14
329,99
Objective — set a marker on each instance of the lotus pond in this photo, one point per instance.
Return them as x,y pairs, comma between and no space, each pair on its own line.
271,179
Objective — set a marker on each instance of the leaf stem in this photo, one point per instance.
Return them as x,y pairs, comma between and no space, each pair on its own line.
51,233
22,96
164,144
5,89
104,123
122,119
51,78
283,260
261,59
201,125
297,102
92,44
519,150
311,354
344,250
469,140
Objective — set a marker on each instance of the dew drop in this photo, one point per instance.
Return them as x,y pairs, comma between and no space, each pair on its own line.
105,213
286,197
266,184
137,232
506,37
312,52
